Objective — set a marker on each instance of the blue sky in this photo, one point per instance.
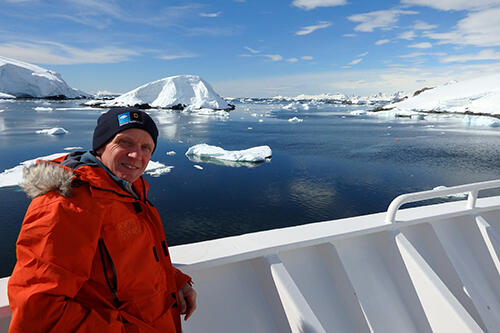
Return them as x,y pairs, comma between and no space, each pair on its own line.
257,48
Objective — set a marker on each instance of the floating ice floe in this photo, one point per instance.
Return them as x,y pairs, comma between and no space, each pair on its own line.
296,106
207,152
170,153
358,112
53,131
14,176
462,195
199,167
481,121
73,148
42,108
295,120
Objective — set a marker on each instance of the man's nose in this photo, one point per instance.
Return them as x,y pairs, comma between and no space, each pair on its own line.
135,153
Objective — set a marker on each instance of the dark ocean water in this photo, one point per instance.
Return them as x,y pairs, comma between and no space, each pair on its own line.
331,165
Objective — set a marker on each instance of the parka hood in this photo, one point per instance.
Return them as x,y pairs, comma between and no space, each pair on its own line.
56,175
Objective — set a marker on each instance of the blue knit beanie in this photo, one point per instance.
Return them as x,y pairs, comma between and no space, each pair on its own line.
117,120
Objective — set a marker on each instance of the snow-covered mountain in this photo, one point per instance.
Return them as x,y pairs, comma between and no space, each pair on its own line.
179,92
346,99
475,96
21,79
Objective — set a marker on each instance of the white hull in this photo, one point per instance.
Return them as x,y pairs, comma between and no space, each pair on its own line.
429,268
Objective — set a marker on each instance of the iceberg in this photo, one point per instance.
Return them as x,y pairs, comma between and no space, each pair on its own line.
53,131
6,96
21,79
206,152
481,121
175,92
295,120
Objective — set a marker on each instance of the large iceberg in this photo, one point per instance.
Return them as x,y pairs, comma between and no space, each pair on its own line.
21,79
175,92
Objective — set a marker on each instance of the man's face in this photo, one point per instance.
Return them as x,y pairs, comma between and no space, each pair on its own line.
128,153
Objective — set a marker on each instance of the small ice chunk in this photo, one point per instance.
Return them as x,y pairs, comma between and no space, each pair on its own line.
295,120
159,171
53,131
358,112
42,108
462,195
255,154
199,167
170,153
73,148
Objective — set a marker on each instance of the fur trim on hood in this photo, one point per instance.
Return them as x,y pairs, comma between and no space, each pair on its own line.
44,177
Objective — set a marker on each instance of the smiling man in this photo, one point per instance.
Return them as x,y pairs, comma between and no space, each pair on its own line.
92,254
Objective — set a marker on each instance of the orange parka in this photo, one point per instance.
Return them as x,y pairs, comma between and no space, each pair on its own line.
91,257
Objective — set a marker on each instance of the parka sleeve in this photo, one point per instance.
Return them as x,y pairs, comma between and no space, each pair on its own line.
55,251
181,279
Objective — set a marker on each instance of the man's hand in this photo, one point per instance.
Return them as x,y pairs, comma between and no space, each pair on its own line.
187,298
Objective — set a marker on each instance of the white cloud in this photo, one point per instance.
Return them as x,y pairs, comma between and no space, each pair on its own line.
349,35
210,14
480,28
355,61
52,53
292,60
482,55
273,57
421,25
308,58
452,4
311,4
362,55
177,56
382,41
383,19
408,35
309,29
251,50
424,45
413,55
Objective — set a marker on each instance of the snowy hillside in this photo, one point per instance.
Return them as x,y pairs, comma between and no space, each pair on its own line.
21,79
477,96
179,92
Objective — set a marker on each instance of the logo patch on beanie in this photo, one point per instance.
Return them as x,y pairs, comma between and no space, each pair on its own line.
129,117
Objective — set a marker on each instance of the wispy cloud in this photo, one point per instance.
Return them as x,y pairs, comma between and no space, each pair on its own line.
381,19
482,55
309,29
423,45
349,35
177,56
251,50
481,28
408,35
307,58
355,61
292,60
362,55
210,14
312,4
452,4
52,53
382,41
421,25
273,57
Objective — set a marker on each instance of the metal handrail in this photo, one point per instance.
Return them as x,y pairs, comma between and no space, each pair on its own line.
471,189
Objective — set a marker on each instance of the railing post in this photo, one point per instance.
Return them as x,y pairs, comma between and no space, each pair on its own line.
471,199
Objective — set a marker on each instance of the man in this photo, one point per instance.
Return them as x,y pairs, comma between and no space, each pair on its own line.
91,254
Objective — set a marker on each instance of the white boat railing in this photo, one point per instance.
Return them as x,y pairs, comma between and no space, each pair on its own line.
472,191
433,268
